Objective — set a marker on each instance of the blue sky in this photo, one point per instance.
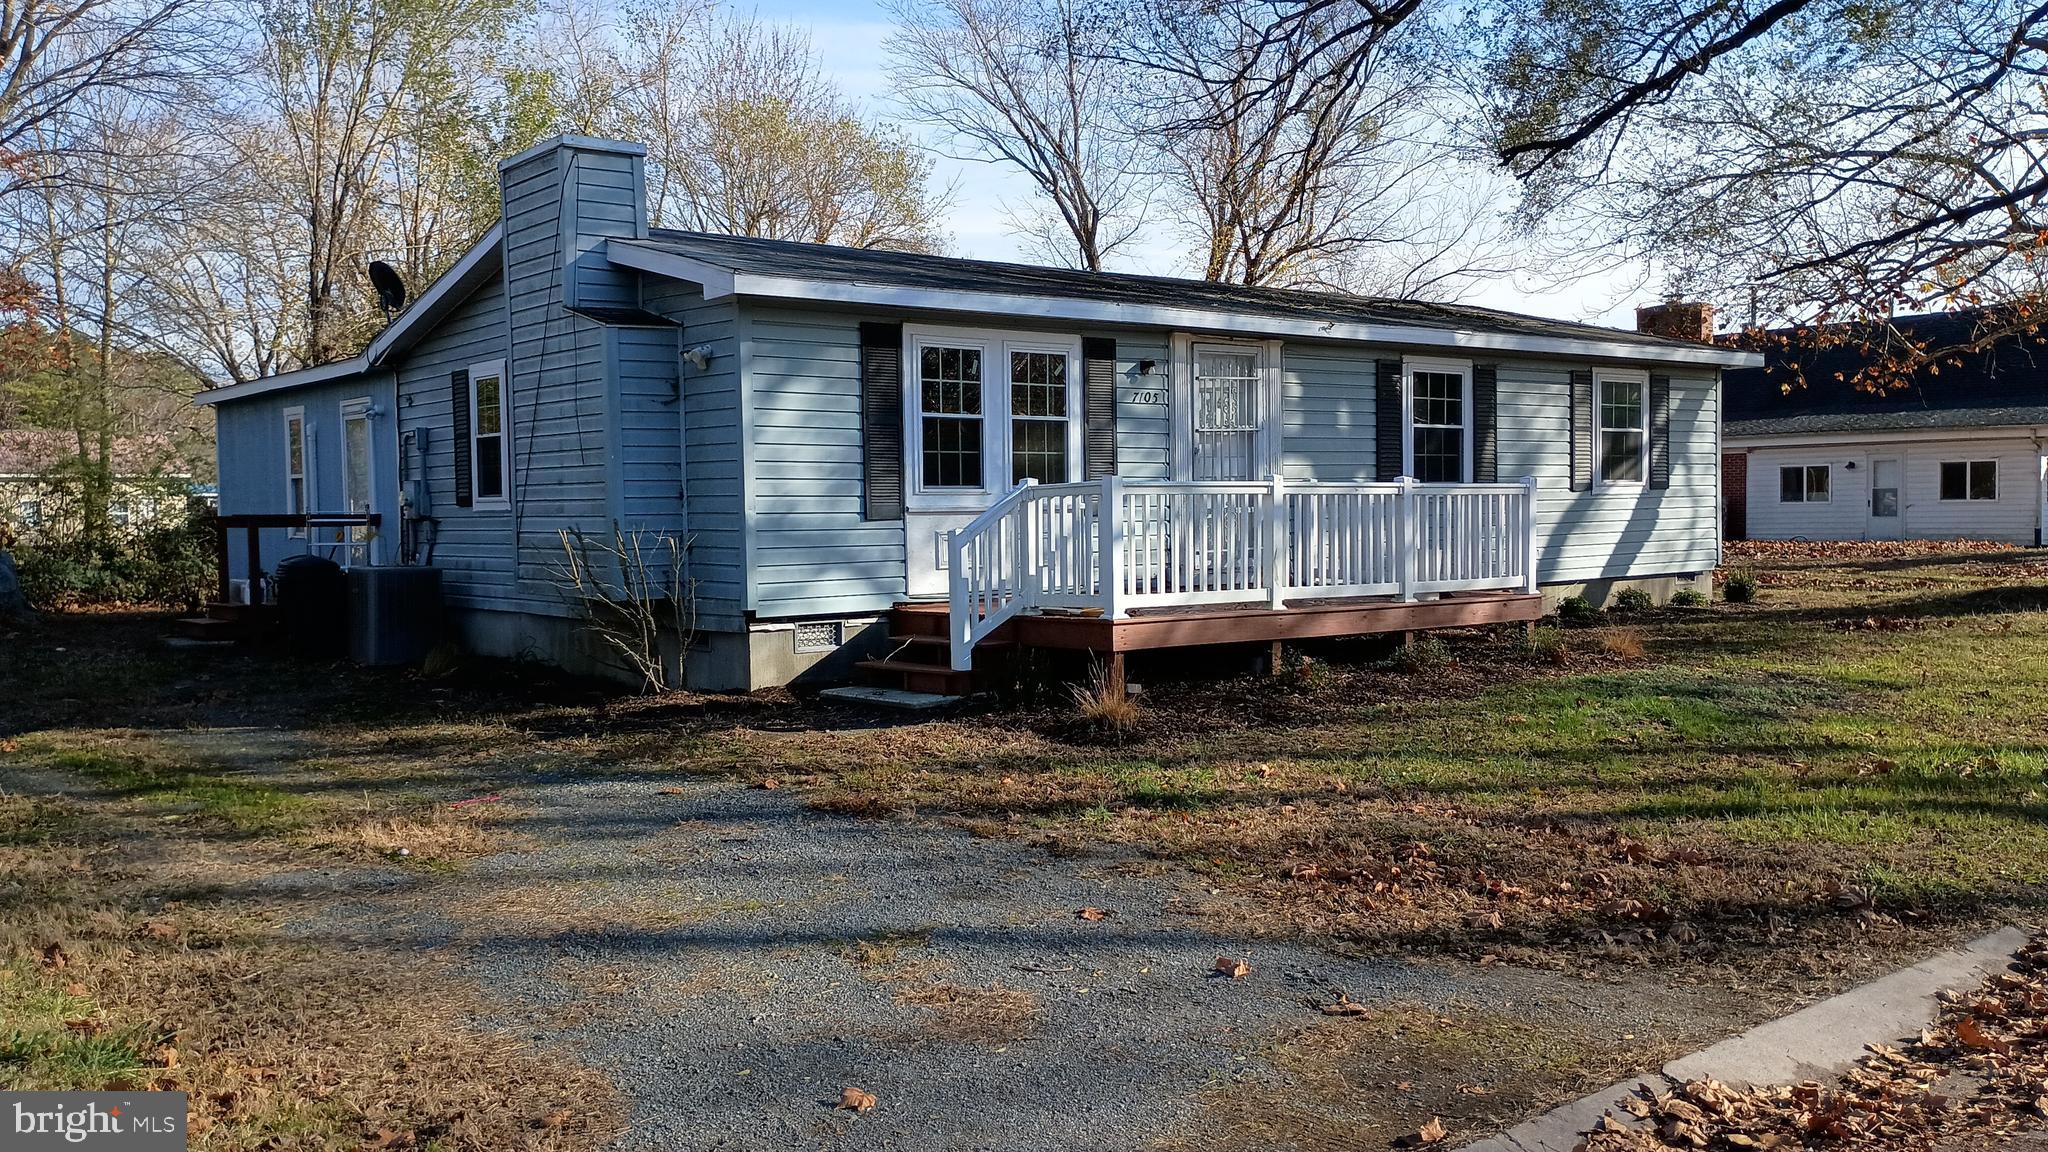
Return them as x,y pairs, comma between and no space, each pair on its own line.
848,36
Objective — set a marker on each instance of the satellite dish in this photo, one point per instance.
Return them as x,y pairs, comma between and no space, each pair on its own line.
390,287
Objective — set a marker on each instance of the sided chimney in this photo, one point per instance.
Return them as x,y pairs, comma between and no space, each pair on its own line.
1677,319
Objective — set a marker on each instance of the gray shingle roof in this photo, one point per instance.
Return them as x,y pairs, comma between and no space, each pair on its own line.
905,269
2003,386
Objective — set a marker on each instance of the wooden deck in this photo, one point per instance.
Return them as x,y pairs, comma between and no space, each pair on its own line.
919,628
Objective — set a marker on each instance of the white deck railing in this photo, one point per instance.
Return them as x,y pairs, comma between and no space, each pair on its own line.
1117,545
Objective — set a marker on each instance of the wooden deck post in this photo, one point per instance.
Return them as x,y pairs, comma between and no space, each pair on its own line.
1113,675
1529,537
257,592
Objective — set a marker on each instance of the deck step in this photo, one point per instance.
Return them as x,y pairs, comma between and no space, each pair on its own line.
938,679
896,698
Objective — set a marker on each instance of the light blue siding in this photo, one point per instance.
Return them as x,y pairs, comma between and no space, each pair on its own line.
713,462
812,551
1613,532
1326,405
251,451
472,546
1144,423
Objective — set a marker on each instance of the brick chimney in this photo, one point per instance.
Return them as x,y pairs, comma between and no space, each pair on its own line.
1677,319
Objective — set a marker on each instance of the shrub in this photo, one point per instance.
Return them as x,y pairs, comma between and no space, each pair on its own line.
1576,610
1300,671
1622,643
1688,598
1426,654
1740,587
1633,600
166,562
1551,645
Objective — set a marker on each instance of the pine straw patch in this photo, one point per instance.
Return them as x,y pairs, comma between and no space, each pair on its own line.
1979,1076
991,1015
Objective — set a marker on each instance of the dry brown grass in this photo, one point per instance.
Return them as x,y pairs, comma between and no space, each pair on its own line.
1105,705
138,952
431,834
990,1015
1623,643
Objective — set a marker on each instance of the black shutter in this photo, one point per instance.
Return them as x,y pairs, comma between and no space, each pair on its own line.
1485,419
1582,429
1389,419
1660,431
458,404
881,417
1098,383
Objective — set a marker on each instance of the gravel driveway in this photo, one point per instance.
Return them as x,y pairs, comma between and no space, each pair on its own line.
735,960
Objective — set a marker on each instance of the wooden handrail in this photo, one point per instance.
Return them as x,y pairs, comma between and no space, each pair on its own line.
253,522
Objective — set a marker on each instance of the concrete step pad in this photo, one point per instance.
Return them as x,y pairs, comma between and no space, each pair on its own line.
893,698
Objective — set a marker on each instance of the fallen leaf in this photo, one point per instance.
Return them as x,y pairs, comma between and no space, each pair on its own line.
1092,914
558,1118
1973,1035
167,1056
76,990
1345,1007
1430,1133
855,1100
672,792
10,746
1235,969
769,783
54,958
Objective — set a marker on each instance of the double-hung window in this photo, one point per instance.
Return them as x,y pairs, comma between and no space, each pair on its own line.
988,410
1439,422
1039,421
1803,484
490,458
298,451
950,394
1969,480
1624,442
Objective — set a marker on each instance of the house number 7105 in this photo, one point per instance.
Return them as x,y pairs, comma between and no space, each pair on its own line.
1152,397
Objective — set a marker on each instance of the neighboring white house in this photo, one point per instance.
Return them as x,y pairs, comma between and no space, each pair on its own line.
34,499
1958,456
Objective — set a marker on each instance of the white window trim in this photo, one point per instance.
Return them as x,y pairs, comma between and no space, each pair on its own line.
995,345
1600,377
358,408
484,369
1410,365
1805,488
305,473
1966,498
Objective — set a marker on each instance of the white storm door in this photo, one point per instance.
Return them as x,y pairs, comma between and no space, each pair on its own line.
1228,412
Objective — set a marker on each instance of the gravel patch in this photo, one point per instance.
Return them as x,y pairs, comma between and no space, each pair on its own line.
734,960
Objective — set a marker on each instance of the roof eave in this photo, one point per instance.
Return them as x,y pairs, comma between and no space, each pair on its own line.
719,282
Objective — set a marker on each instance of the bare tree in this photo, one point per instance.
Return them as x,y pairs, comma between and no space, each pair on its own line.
55,56
1031,84
1285,175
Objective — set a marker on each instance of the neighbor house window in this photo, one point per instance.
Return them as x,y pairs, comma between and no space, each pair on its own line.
490,460
1969,480
1438,415
296,454
1624,429
1807,484
1038,417
950,413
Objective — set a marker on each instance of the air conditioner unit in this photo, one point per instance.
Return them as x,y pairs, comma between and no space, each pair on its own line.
394,614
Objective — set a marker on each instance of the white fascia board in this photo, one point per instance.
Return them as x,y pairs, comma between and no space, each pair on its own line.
428,307
1869,436
719,282
319,374
450,288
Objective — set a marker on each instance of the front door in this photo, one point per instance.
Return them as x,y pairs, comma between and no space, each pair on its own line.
1886,521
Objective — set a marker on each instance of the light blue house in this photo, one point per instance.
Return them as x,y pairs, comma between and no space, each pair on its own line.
1009,453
